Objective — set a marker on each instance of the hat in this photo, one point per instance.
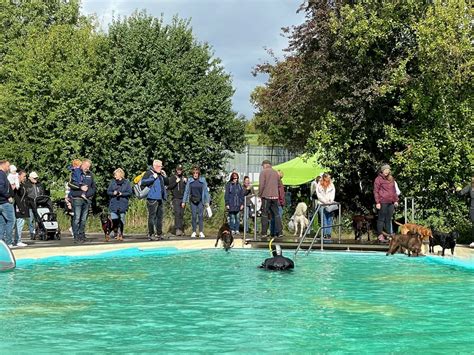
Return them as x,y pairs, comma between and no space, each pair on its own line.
13,169
179,167
384,167
34,175
266,161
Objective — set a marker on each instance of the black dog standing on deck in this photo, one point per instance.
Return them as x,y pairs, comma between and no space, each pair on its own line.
225,234
110,225
446,240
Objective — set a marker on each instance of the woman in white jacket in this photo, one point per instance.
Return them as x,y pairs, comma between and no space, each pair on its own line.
326,193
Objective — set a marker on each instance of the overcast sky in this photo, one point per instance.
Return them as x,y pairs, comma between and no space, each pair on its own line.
238,31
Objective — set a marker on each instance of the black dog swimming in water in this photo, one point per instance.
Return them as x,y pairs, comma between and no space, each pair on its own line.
225,234
278,261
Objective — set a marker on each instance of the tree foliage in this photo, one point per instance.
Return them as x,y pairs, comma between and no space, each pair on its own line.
144,90
365,83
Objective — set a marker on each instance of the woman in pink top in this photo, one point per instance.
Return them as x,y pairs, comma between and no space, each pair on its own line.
386,199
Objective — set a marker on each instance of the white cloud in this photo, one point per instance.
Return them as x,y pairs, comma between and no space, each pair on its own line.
238,30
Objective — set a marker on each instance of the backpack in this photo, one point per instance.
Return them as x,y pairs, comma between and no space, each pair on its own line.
139,191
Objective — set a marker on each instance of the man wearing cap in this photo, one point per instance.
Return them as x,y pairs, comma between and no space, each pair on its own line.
386,199
269,180
33,188
7,211
177,185
81,205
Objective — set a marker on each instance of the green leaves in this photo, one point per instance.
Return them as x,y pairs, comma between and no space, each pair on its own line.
145,90
368,83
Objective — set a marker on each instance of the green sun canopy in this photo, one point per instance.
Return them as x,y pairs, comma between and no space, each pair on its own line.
299,170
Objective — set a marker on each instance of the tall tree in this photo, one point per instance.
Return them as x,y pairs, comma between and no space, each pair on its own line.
171,98
142,90
363,84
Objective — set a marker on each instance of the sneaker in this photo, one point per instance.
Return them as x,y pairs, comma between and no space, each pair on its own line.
150,238
11,246
179,232
237,233
201,235
21,244
158,236
193,235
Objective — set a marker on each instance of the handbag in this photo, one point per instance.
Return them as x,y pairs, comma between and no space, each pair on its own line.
209,211
195,199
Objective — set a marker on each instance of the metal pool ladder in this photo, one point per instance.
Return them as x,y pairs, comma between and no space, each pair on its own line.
317,210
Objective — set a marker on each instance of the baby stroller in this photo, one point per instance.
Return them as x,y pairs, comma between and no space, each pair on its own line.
46,224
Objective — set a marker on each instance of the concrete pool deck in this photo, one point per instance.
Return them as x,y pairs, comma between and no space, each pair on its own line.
96,245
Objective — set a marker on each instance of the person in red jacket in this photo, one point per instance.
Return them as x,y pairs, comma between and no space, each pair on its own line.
386,199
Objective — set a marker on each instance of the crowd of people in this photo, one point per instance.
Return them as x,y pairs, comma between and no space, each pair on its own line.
19,190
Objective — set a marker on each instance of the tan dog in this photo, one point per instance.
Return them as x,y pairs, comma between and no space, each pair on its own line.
424,232
301,222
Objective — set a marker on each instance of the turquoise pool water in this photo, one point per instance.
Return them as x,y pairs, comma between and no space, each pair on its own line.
215,302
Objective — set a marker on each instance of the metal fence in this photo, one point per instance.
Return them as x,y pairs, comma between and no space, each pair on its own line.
249,162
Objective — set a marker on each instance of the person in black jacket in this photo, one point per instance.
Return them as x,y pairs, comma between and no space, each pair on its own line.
34,188
7,211
469,192
177,184
81,205
278,261
119,192
21,209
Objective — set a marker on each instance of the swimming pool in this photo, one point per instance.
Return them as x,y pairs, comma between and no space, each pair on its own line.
210,301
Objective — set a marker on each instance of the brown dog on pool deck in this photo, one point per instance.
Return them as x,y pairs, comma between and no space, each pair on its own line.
425,233
225,235
410,241
361,224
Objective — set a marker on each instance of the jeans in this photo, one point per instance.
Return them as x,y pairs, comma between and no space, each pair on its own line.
31,223
326,221
20,222
178,214
384,218
7,221
121,216
155,217
272,221
197,216
81,211
270,206
234,221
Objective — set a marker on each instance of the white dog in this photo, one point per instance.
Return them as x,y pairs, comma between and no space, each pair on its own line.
301,222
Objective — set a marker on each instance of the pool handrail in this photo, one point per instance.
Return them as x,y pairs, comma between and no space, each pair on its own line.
315,214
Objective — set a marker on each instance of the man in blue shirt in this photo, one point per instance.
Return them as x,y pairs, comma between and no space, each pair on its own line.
156,180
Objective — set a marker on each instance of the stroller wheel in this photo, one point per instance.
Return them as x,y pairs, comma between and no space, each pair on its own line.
58,235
